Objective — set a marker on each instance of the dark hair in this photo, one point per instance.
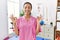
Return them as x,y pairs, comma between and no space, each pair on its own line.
28,3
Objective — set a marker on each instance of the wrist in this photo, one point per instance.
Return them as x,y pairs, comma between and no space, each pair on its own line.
14,24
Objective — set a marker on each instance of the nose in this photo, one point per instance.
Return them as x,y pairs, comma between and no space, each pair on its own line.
27,8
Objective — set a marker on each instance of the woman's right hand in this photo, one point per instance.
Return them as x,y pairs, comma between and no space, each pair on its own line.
13,19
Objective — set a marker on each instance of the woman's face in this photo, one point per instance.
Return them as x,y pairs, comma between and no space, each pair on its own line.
27,9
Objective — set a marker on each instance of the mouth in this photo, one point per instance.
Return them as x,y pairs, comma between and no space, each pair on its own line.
27,11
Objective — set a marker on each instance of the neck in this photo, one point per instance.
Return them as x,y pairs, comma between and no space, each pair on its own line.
27,16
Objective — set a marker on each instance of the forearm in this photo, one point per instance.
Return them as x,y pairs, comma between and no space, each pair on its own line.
16,29
37,29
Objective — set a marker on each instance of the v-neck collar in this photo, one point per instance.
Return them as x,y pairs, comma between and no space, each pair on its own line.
26,19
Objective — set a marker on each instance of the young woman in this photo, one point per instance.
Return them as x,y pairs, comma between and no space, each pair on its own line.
26,26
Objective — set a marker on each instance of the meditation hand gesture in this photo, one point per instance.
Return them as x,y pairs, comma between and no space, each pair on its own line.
13,19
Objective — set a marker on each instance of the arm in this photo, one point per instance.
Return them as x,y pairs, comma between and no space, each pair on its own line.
14,19
16,29
38,28
38,25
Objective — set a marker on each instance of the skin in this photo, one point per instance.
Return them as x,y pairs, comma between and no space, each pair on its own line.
58,38
27,10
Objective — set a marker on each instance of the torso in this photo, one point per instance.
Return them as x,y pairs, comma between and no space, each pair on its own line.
27,28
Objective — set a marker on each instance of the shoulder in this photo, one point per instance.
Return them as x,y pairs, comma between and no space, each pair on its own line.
19,18
33,18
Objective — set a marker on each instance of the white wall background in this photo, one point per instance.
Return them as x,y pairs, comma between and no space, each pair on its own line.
52,6
3,19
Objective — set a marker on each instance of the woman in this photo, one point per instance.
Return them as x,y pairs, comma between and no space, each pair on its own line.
26,26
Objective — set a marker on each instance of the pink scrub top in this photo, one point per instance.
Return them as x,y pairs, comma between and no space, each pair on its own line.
27,29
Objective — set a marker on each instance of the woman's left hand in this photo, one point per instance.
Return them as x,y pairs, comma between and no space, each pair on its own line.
38,19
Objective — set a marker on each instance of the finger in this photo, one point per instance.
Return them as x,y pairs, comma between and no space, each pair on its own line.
15,18
12,16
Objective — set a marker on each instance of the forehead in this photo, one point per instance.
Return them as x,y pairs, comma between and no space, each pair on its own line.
27,5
